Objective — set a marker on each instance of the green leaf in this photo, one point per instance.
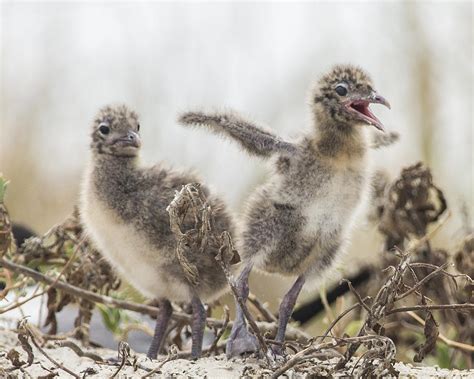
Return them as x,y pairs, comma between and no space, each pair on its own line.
112,317
3,187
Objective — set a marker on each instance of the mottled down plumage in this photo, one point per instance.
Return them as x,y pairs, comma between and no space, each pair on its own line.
299,221
123,208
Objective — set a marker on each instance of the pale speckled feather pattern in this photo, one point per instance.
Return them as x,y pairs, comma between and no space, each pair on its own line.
300,220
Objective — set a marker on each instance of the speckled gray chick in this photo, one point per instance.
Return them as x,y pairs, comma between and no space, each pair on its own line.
300,219
123,209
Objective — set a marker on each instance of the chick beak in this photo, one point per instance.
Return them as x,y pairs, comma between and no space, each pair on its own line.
360,106
379,99
131,139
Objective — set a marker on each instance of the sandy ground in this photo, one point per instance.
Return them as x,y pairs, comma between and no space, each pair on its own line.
215,367
212,367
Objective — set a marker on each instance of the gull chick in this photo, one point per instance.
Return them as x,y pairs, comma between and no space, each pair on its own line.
299,221
123,209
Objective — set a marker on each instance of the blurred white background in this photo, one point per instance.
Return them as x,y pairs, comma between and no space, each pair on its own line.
60,62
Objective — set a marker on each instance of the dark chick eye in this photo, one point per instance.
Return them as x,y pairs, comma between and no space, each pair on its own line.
341,90
138,127
104,129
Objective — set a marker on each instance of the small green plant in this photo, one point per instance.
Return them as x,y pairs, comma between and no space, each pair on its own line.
112,317
3,187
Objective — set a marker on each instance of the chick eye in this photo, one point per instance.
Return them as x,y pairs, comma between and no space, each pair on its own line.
138,127
341,90
104,129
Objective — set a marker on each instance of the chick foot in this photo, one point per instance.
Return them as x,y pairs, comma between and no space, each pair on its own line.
240,342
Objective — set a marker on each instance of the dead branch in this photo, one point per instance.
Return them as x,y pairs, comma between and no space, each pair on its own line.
267,315
292,333
79,352
432,307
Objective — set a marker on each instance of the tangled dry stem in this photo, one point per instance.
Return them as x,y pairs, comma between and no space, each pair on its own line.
190,197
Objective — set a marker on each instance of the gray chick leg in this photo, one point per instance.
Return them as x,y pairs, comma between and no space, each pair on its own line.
162,320
286,309
241,340
199,322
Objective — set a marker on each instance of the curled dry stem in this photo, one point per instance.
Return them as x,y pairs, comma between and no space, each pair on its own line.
24,327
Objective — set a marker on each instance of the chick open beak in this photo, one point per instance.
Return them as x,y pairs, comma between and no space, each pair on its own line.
361,107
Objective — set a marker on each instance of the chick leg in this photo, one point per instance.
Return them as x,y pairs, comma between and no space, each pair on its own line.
162,320
286,309
198,324
241,340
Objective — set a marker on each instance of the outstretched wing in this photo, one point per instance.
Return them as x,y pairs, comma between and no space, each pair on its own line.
251,137
384,139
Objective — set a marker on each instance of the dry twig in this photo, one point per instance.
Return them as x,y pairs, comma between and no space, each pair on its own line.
292,333
79,352
172,355
23,326
221,331
267,315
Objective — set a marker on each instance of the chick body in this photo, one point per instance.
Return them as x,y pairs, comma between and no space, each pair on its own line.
123,210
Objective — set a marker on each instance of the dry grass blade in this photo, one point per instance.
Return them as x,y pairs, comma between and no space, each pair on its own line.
357,295
221,331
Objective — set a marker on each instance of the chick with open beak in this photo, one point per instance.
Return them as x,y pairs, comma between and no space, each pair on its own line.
299,221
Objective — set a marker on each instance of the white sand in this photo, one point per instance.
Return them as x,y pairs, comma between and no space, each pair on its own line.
214,367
